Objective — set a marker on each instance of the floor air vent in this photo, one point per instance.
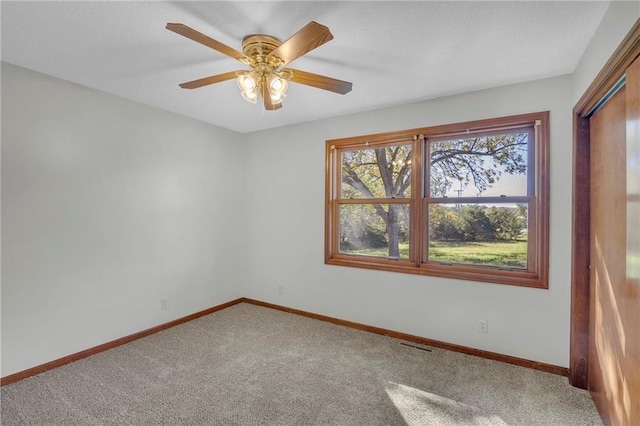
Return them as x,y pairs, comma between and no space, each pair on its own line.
417,347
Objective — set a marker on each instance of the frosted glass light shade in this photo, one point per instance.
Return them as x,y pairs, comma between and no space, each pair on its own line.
250,96
246,82
277,85
277,98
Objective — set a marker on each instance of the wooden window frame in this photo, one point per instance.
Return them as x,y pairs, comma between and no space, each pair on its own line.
537,271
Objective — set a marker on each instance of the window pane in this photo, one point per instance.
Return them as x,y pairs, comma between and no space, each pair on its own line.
375,230
377,172
477,234
480,166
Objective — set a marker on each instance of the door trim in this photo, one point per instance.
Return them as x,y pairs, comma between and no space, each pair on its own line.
613,70
611,73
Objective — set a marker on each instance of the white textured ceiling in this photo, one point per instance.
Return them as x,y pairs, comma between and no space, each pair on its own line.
393,52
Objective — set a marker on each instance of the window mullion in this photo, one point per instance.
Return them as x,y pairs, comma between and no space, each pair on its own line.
481,200
425,195
375,201
416,195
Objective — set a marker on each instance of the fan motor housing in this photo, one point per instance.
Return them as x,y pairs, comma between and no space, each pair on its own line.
259,45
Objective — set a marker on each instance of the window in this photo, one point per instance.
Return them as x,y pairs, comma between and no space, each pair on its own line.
467,201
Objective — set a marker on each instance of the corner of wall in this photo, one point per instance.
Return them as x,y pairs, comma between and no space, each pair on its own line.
616,23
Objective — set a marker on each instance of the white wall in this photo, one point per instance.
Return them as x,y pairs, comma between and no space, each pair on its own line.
107,207
285,198
616,23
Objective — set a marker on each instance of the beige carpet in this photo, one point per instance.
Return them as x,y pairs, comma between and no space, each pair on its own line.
248,365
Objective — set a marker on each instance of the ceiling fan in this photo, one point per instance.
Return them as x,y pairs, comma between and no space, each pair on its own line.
266,55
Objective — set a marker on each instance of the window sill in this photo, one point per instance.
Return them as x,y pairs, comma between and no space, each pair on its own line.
462,272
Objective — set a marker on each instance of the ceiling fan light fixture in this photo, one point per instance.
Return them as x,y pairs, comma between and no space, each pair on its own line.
246,81
277,88
277,98
250,96
277,84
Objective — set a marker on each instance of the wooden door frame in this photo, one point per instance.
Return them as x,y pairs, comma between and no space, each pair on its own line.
610,74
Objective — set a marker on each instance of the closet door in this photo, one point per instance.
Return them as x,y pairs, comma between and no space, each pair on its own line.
614,317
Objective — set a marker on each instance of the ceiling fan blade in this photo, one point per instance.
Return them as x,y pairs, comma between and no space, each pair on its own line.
319,81
194,35
268,104
209,80
304,41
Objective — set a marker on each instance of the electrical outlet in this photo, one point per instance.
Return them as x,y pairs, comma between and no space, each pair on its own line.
164,304
483,326
280,289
